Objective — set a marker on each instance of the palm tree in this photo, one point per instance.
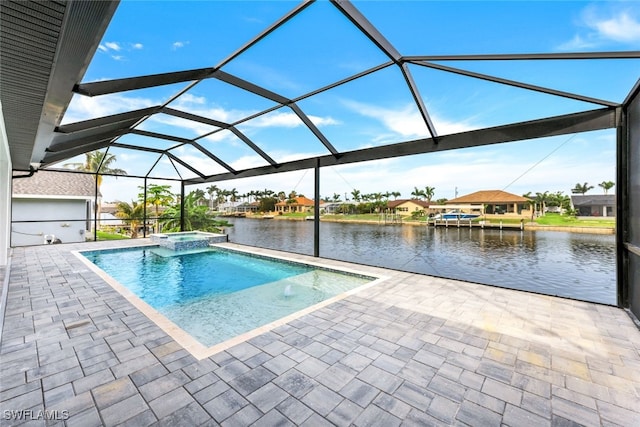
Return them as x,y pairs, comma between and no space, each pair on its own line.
211,190
542,199
234,194
356,195
336,197
396,194
429,192
221,196
158,195
417,193
268,193
132,214
532,203
606,186
98,162
581,188
200,194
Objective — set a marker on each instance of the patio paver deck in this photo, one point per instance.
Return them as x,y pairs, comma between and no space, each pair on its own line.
412,350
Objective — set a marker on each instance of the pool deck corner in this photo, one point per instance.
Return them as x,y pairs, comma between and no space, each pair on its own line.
412,350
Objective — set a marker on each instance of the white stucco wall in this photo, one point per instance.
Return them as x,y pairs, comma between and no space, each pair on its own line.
67,218
5,192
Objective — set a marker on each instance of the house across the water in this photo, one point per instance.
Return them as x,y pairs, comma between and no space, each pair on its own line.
299,204
594,205
407,206
494,202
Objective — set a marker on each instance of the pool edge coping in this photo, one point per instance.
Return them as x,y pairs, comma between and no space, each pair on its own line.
193,346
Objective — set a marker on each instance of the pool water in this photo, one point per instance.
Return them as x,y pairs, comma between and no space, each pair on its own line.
217,294
188,238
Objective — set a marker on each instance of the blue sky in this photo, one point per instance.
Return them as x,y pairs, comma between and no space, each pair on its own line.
320,46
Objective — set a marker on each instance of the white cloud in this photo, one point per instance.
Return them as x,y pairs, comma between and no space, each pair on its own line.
113,46
183,128
248,162
178,45
85,107
622,28
604,27
468,170
115,49
276,119
578,43
324,121
188,99
406,121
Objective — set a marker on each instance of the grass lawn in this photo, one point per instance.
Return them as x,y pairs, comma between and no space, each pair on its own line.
355,217
551,219
561,220
102,235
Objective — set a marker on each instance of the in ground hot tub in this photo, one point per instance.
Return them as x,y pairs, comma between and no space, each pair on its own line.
187,240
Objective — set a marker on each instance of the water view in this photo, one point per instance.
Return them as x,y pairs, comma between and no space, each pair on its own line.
580,266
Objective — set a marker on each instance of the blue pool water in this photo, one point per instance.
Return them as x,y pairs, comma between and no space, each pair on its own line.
217,294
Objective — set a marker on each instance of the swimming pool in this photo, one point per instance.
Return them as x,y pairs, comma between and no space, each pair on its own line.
216,294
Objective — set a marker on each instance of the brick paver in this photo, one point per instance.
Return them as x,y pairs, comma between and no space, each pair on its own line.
411,350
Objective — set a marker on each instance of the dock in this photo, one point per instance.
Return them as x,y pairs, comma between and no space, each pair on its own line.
466,223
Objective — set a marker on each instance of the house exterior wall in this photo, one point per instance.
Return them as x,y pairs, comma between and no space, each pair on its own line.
596,210
302,204
5,193
66,219
408,207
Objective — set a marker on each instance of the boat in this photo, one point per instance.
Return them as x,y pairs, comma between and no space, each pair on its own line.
456,214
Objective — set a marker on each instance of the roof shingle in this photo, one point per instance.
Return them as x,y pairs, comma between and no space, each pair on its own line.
49,183
488,196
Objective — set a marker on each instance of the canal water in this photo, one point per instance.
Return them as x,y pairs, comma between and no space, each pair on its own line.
574,265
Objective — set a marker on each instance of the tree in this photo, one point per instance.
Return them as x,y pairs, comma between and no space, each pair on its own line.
234,194
356,195
532,203
581,188
158,195
428,193
560,200
196,216
396,194
211,190
132,214
542,199
606,186
336,197
267,204
417,193
98,162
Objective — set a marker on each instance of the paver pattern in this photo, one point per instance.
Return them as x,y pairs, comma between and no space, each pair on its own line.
413,350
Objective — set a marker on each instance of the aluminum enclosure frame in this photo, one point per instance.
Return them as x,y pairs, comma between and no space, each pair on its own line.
80,29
